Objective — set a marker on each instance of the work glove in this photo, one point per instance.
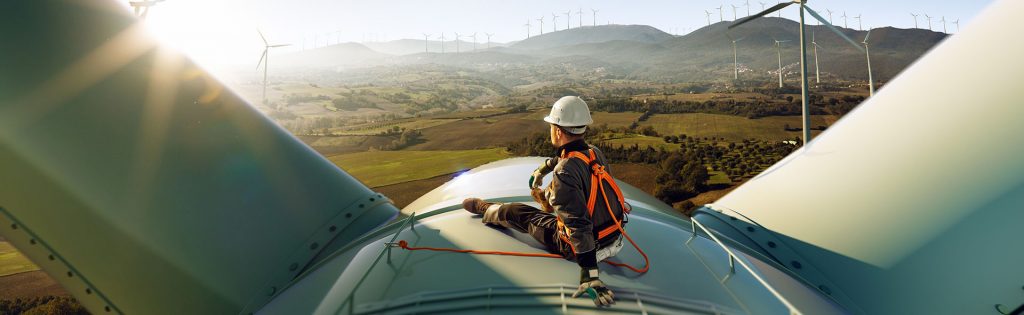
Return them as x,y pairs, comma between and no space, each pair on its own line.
596,289
538,175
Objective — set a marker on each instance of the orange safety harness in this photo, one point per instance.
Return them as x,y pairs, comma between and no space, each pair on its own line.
597,180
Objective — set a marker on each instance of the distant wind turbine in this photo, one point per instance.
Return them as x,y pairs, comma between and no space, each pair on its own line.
568,18
579,15
527,28
426,42
554,22
541,19
915,19
860,27
708,15
957,23
929,18
804,91
595,15
845,25
735,60
762,5
829,16
474,41
720,18
778,49
943,24
489,39
867,53
817,72
264,61
142,7
734,12
457,38
442,43
747,4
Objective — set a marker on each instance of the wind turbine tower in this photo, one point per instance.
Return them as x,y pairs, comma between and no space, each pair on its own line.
929,18
720,18
708,15
943,20
541,19
860,27
442,43
426,42
554,22
957,23
867,53
474,41
845,25
915,19
527,28
579,15
733,12
595,15
489,39
747,4
829,15
265,61
568,18
804,91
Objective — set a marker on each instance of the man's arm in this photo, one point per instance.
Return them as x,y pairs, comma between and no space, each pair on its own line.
569,201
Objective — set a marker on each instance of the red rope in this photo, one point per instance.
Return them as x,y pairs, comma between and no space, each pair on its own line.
405,245
647,264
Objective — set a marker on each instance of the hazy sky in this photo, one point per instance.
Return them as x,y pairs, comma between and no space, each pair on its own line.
222,32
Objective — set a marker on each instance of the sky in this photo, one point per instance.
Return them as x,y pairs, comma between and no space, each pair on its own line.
219,33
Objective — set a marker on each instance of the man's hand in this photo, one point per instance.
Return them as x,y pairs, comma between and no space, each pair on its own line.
600,293
537,177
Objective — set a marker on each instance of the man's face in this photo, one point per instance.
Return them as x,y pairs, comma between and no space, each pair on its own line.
554,135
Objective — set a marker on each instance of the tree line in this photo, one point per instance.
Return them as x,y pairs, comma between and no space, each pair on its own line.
44,305
786,106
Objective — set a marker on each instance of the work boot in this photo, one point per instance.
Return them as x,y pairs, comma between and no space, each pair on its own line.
475,205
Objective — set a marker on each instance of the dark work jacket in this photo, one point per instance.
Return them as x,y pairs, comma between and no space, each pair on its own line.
568,195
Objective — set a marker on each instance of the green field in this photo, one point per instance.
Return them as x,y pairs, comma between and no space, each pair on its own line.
377,128
12,261
643,141
732,128
379,168
615,119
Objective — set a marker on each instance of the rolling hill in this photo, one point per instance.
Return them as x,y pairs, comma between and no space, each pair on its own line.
339,55
644,52
592,34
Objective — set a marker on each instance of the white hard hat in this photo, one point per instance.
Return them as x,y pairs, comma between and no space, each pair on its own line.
571,113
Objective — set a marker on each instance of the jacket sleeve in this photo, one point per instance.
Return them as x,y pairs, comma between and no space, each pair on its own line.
568,199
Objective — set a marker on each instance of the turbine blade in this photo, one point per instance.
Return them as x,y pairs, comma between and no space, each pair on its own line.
261,59
833,28
261,37
866,36
280,45
762,13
